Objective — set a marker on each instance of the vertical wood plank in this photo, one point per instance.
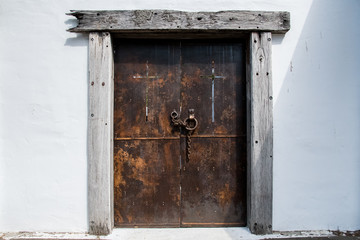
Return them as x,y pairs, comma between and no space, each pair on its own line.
260,143
100,136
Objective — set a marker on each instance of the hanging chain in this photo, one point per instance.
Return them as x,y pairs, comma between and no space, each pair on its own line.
190,124
188,145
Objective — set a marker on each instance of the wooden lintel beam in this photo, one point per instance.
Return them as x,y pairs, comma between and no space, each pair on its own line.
142,21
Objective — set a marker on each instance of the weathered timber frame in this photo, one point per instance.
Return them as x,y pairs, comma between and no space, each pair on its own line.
256,26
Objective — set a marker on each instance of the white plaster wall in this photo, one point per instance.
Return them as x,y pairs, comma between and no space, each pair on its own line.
43,112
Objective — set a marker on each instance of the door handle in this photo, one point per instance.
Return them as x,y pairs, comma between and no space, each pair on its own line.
190,123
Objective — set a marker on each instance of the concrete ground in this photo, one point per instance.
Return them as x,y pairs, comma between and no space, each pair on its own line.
184,233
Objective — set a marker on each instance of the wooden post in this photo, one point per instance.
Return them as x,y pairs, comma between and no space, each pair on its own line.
260,137
100,135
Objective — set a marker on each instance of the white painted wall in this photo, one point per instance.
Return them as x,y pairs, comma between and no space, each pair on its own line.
43,112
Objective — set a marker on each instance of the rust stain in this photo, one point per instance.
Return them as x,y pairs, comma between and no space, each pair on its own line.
160,82
225,196
132,144
138,169
174,194
170,76
139,172
164,122
129,218
117,216
227,114
186,81
118,169
136,130
220,130
196,76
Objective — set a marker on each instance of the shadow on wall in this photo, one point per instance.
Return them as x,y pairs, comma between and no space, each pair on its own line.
317,124
80,39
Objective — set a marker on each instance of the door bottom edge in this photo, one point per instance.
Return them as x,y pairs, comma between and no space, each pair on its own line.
183,225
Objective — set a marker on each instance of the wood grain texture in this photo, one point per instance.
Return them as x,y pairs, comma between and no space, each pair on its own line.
178,21
260,142
100,135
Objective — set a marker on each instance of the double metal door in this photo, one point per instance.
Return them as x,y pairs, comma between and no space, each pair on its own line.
172,168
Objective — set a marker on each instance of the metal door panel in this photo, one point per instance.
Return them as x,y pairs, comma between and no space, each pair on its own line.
213,179
154,184
146,183
147,78
146,151
225,113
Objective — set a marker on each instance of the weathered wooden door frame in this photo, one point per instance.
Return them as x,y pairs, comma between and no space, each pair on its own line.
257,27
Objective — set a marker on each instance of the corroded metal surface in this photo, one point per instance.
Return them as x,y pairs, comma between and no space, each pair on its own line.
229,91
146,176
147,183
154,184
147,75
213,183
213,189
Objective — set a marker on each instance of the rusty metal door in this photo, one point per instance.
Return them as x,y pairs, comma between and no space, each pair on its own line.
164,175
